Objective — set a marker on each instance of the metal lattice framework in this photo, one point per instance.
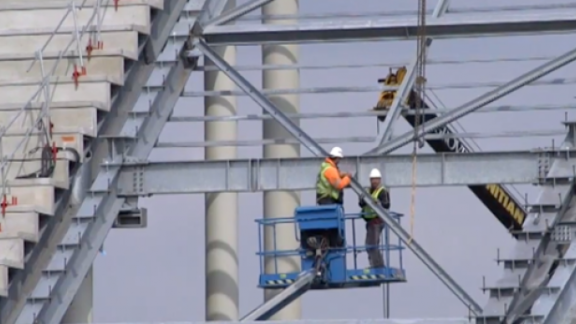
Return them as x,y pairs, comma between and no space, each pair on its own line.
113,187
343,31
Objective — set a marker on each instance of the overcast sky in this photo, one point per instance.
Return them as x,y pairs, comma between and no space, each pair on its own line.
157,274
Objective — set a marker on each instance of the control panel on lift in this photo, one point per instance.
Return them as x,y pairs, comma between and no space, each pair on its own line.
327,250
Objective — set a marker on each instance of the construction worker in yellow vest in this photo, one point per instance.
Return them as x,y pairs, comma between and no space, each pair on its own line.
374,223
330,182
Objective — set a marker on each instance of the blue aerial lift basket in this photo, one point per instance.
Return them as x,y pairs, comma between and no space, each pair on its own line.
325,250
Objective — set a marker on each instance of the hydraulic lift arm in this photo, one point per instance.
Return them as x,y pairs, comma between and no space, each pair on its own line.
274,305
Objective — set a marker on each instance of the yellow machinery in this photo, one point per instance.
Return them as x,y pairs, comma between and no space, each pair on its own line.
393,79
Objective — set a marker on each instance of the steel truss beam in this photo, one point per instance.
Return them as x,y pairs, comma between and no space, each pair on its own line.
476,103
317,150
450,26
363,139
412,12
379,64
562,310
551,266
255,175
104,203
352,89
537,275
367,113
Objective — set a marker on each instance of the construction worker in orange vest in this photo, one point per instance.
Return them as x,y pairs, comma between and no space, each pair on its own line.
330,182
374,223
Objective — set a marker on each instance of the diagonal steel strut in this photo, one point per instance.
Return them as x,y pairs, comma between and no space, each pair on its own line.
237,12
317,150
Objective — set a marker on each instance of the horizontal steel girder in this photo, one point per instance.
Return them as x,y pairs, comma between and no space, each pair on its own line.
449,26
254,175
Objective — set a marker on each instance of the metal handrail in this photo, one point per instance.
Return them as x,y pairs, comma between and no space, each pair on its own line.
354,249
42,123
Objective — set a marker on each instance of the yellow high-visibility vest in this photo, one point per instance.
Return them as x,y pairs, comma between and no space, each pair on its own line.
323,187
367,211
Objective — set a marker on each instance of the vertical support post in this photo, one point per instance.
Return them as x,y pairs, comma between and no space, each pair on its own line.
386,300
222,292
80,310
94,39
43,119
386,286
281,203
79,68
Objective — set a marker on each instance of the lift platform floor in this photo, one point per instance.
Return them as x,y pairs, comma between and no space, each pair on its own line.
355,278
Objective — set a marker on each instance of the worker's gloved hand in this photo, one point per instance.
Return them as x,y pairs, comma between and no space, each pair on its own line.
344,174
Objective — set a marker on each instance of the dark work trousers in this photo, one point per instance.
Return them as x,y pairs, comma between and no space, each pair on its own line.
373,233
328,201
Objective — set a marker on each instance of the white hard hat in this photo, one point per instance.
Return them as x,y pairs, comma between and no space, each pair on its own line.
375,173
336,152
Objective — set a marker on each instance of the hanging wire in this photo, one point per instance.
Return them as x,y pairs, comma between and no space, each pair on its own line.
420,92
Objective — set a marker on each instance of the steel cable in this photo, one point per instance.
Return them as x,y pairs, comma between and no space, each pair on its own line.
420,92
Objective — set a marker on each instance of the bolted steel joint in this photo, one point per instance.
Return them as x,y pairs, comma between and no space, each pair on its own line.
189,54
544,163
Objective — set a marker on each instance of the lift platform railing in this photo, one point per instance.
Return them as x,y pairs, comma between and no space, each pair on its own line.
41,125
390,246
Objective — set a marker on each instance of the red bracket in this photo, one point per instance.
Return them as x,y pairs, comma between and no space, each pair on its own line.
54,151
5,203
90,47
78,73
116,5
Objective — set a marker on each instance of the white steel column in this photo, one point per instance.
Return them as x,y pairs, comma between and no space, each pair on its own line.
281,203
80,310
222,297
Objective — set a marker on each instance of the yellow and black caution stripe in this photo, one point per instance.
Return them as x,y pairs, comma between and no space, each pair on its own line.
368,277
280,282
